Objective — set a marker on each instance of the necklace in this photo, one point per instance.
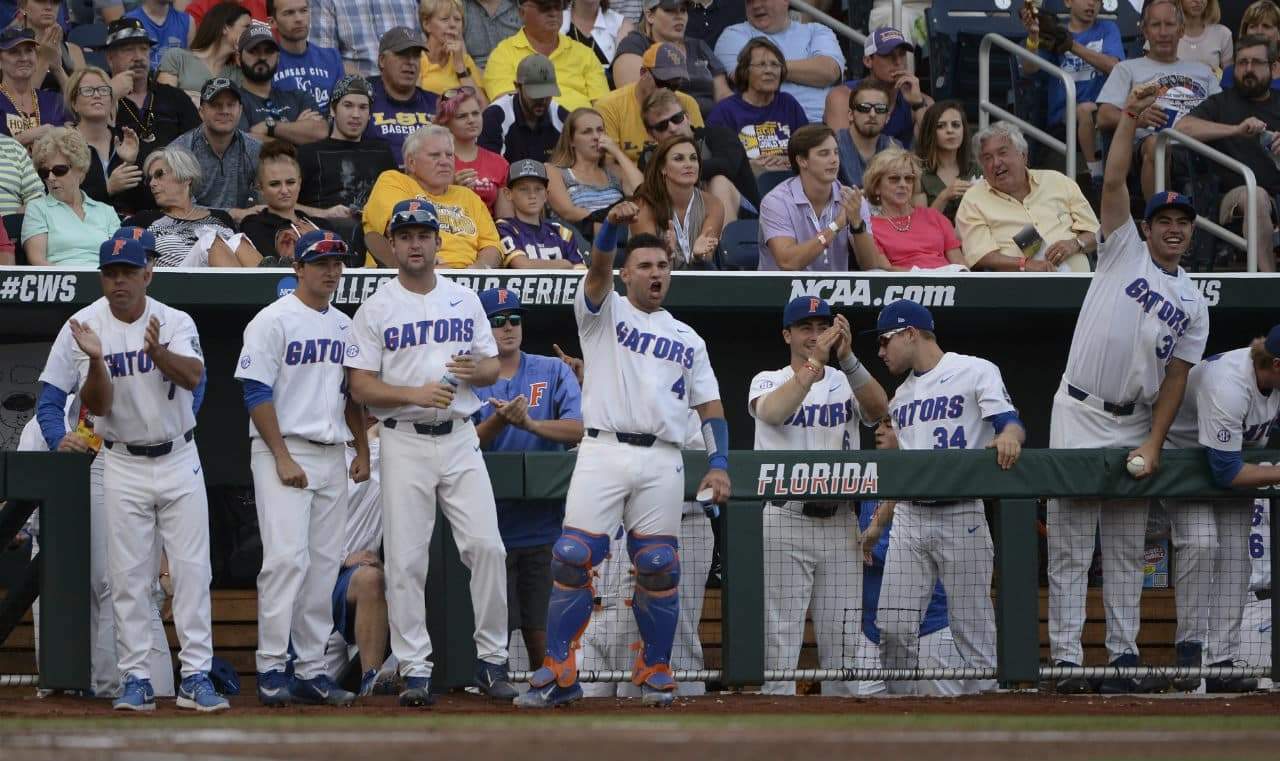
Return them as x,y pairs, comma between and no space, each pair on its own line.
895,222
144,120
24,120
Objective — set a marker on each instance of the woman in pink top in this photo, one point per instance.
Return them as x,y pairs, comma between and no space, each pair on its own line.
483,171
906,236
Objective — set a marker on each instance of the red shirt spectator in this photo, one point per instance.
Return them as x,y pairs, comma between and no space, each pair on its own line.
197,8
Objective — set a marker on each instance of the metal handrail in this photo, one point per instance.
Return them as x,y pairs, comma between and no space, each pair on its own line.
837,26
1250,242
986,107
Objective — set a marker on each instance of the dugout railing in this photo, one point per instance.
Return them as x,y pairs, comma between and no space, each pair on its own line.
986,109
57,484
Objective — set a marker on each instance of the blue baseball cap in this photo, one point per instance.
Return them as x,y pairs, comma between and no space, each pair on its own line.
1272,344
121,251
884,40
903,313
140,234
318,244
1166,199
805,308
414,212
500,300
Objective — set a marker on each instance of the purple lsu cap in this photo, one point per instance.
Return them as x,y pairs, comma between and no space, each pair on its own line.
884,40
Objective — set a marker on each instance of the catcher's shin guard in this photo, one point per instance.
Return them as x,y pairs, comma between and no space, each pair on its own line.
656,605
575,553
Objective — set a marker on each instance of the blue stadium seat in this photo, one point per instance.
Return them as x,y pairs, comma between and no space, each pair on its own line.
956,29
739,245
1119,11
770,180
89,36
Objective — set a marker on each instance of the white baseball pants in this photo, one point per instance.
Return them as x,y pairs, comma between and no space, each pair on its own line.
417,473
143,497
1211,585
640,487
1255,636
1073,524
302,540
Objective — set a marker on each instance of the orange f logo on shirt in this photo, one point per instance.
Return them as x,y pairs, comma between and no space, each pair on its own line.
536,390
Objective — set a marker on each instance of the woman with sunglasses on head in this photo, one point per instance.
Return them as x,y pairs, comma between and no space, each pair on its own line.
112,167
944,147
907,237
672,207
188,235
761,114
666,21
482,171
445,62
65,227
279,182
588,172
214,48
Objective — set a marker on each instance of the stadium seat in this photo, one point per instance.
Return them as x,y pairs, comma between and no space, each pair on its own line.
740,245
770,180
956,29
1120,11
89,36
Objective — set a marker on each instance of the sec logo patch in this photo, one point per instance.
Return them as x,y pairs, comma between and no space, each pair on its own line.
353,351
245,362
1224,435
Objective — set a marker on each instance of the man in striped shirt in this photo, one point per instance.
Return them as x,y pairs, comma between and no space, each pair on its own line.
354,27
19,184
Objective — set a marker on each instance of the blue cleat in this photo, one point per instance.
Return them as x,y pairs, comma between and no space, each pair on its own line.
273,689
657,697
320,691
137,695
367,682
546,692
197,693
417,692
658,688
492,680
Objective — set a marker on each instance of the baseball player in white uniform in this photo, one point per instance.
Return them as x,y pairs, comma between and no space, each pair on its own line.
1255,626
606,643
135,363
1142,326
300,419
1231,403
419,345
948,401
812,561
644,370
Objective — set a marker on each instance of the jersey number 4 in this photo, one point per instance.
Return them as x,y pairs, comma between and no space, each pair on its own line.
941,441
677,388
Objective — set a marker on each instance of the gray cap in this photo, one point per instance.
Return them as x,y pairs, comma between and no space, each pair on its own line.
401,38
255,33
666,61
537,75
526,168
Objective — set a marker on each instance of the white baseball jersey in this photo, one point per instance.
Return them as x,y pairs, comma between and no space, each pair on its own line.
1223,408
948,407
1260,546
1135,318
643,370
299,353
146,407
364,506
826,419
408,337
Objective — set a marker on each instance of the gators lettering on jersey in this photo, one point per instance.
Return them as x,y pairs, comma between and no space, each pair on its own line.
146,407
950,406
299,353
1222,408
643,370
1135,318
408,337
827,418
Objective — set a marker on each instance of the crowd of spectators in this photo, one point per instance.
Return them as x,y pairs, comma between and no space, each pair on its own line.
274,117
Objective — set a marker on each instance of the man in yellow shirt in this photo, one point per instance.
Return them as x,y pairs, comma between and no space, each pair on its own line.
663,65
578,71
1022,219
468,237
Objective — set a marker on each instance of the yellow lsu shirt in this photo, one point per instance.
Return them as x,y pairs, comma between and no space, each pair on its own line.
466,227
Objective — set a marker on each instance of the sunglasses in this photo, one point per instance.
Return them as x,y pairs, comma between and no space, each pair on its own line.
88,92
499,320
419,217
866,108
674,85
327,247
887,336
676,118
57,170
465,91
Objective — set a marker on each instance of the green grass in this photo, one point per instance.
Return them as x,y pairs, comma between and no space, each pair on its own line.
581,720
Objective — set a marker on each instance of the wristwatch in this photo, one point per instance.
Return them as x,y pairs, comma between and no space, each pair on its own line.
270,121
860,229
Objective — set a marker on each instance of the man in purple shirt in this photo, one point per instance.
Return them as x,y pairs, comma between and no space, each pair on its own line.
811,222
399,106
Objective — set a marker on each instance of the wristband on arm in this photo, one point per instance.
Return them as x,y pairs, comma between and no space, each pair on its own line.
715,434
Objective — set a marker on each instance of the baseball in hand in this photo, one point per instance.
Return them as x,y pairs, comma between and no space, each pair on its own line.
1136,465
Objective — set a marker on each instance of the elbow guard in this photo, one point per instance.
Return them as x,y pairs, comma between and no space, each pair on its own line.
715,434
1225,466
255,393
51,414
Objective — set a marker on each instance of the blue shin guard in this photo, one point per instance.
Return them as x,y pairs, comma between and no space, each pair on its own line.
656,605
575,553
